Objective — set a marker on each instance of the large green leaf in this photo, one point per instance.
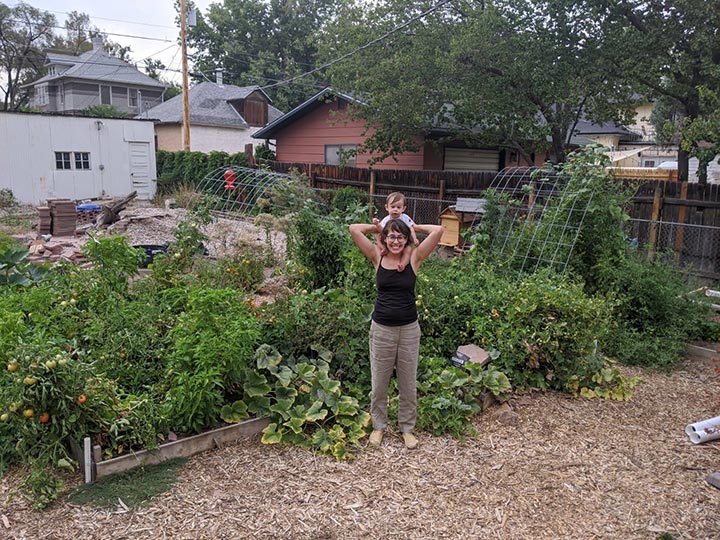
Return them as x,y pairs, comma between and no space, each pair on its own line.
305,371
256,384
232,413
321,440
282,407
271,435
285,392
284,375
267,356
295,424
346,406
316,412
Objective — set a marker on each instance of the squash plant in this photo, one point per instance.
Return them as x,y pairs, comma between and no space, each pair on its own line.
306,406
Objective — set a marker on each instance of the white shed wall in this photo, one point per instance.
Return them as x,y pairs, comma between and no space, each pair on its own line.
28,143
207,138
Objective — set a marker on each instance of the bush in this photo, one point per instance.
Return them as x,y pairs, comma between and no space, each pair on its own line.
653,320
317,243
191,168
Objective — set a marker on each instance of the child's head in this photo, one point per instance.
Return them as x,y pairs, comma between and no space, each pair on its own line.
395,204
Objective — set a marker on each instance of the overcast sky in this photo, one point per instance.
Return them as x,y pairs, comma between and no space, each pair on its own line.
141,18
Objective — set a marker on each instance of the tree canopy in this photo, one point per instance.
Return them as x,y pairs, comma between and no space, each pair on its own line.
511,73
258,42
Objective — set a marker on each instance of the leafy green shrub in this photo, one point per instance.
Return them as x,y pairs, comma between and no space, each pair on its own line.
242,271
190,168
448,397
335,319
212,344
653,319
262,151
545,329
7,199
317,243
346,199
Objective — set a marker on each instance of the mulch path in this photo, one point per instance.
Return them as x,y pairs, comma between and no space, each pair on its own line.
571,468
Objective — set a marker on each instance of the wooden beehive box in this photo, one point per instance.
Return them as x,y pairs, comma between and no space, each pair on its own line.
458,217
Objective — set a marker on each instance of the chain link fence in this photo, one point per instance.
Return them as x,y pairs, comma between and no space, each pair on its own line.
695,249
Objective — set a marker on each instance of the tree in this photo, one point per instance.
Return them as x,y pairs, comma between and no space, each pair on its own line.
511,73
24,32
701,136
262,42
672,49
78,33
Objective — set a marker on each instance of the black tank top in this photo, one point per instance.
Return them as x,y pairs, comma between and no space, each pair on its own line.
395,304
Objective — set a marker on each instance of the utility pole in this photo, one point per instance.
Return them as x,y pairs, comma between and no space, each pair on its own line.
186,100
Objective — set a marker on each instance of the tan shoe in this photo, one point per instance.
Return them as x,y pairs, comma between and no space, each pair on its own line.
410,440
376,437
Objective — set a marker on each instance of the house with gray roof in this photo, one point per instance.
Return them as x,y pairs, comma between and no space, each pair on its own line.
74,83
222,117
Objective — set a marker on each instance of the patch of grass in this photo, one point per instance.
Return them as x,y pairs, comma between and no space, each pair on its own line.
134,488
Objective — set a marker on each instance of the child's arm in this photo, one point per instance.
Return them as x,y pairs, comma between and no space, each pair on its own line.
414,236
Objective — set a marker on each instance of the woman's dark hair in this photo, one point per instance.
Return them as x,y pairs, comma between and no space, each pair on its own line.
396,225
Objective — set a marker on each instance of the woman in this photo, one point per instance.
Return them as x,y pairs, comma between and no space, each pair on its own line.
394,331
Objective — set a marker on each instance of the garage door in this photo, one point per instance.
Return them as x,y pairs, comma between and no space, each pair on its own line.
472,159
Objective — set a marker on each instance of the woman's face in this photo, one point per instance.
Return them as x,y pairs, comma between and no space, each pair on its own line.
395,241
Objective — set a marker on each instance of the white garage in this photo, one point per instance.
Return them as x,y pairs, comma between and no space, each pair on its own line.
46,156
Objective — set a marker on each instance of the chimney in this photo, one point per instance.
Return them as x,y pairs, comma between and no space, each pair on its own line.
97,43
218,76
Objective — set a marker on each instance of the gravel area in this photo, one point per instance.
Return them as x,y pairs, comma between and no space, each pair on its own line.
571,469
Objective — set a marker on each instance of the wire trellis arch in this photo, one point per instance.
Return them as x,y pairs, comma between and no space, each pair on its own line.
536,218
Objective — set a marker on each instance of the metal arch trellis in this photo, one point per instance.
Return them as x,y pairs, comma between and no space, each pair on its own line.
236,191
539,215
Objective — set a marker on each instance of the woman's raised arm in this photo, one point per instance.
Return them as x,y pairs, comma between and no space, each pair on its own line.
426,247
359,232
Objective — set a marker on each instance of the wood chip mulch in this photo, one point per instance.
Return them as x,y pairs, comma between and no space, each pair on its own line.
570,468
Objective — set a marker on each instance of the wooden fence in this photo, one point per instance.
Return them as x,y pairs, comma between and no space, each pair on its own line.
665,215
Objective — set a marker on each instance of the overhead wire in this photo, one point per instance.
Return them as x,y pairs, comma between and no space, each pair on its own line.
362,47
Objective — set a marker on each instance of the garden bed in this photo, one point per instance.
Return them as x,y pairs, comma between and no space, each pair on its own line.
572,468
185,447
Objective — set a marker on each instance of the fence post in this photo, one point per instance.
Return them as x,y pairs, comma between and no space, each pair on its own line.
371,204
441,196
656,213
679,236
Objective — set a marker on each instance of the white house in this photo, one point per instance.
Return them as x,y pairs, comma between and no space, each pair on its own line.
45,156
222,117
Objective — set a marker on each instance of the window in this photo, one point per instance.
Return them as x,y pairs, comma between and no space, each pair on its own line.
105,95
649,163
62,160
337,154
82,160
132,97
341,104
41,94
61,93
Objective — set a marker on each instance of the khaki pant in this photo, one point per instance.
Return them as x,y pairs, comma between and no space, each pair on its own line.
394,348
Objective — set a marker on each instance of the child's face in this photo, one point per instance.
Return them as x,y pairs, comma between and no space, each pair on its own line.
395,208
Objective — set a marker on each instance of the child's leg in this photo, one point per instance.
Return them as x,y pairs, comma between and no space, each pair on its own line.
405,258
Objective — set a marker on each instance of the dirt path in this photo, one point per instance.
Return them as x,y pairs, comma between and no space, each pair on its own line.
572,468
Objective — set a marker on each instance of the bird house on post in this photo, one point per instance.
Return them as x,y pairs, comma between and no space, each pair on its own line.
458,217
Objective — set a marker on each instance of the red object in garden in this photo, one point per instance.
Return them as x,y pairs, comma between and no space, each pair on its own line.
229,176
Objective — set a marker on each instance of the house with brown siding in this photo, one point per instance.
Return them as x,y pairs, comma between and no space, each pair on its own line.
321,129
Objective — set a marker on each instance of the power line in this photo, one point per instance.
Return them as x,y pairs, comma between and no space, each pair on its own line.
362,47
29,23
108,19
